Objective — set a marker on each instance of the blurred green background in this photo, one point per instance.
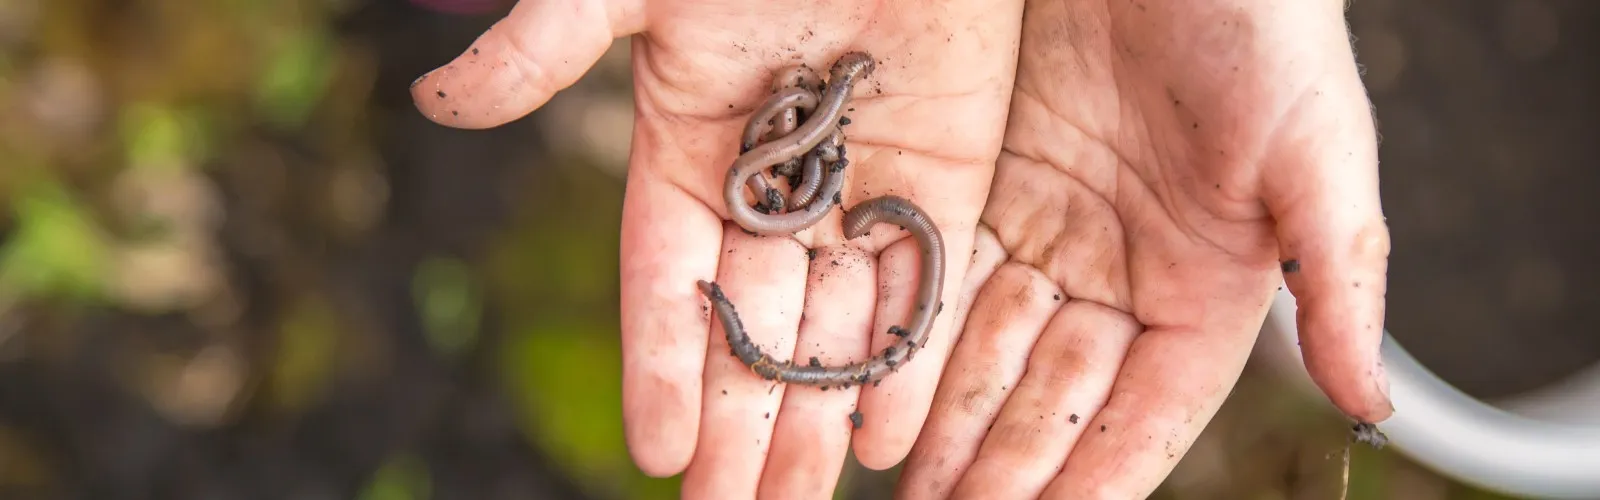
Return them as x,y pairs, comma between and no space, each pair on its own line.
236,263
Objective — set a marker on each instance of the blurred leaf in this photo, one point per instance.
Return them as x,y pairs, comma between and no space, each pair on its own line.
162,137
566,246
1369,471
447,298
57,250
297,73
402,477
306,343
566,379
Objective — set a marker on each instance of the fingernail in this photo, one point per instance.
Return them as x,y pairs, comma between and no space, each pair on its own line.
1381,378
419,80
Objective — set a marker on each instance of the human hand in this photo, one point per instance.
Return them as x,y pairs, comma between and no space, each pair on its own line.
927,125
1161,158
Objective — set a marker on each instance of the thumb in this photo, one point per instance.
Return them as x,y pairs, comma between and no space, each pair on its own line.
540,48
1322,189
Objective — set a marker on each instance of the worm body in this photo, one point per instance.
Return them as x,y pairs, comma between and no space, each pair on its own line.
820,141
801,76
775,118
822,122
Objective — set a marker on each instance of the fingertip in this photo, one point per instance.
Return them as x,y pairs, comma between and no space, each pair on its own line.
1340,285
1348,371
660,452
668,242
516,66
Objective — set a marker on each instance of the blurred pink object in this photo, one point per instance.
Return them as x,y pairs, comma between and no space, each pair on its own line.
464,7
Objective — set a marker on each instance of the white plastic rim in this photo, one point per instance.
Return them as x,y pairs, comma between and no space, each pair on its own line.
1549,448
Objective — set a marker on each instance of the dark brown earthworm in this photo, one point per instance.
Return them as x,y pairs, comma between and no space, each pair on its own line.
801,76
805,174
811,179
767,120
856,222
777,117
823,122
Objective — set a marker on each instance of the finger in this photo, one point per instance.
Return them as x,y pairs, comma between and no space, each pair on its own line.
987,256
1007,318
894,409
668,242
541,47
765,278
1069,377
1169,386
1323,192
813,428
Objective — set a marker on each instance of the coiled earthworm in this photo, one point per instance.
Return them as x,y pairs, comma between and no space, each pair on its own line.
810,178
856,222
768,121
777,118
791,76
823,121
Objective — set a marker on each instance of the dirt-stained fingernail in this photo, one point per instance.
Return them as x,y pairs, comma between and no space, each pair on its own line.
418,80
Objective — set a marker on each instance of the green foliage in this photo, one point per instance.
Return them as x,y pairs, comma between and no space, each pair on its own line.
402,477
447,298
298,72
566,374
306,343
158,136
561,361
58,249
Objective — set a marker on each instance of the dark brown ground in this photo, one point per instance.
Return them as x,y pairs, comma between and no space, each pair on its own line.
1488,114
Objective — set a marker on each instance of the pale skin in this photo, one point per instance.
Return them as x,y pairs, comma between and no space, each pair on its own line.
1116,182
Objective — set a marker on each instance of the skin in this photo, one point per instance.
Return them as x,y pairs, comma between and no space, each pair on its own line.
1104,193
850,68
1155,179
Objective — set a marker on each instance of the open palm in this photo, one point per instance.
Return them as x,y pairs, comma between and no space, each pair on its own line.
925,125
1158,164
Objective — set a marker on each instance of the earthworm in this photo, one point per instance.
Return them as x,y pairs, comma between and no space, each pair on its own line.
773,120
811,180
856,222
783,101
886,209
777,117
823,122
801,76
